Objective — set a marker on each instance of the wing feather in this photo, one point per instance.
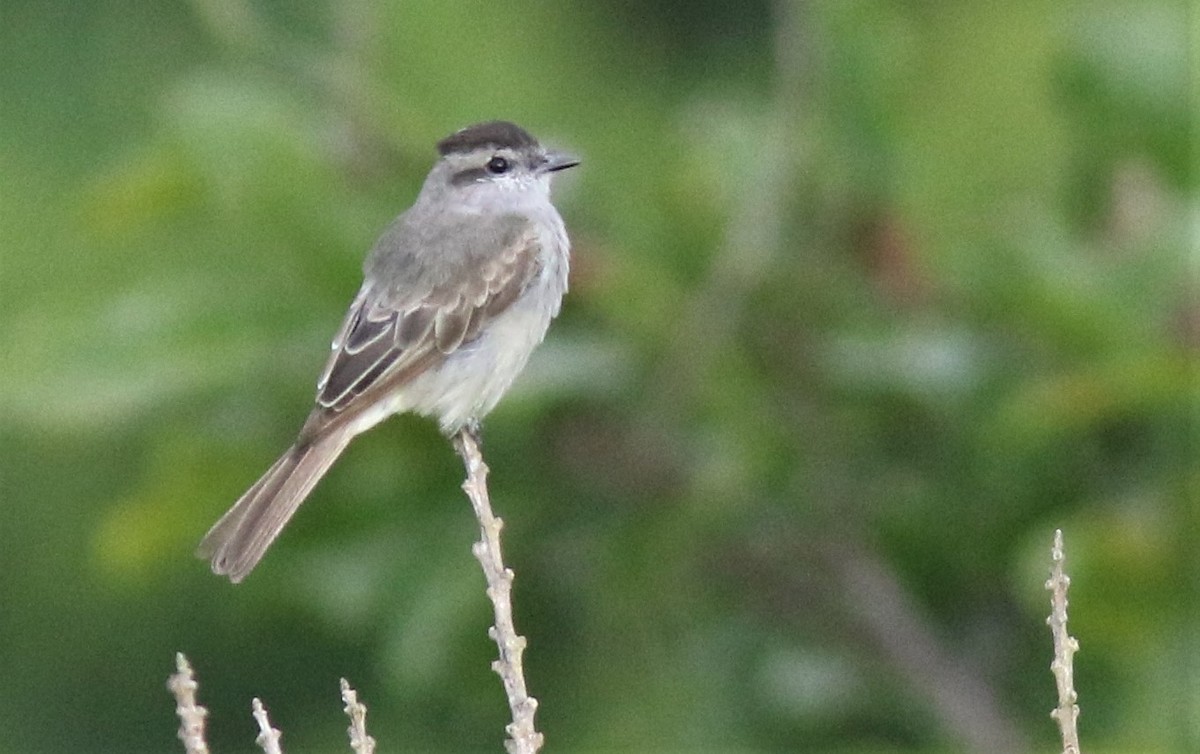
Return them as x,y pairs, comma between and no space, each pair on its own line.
368,332
414,327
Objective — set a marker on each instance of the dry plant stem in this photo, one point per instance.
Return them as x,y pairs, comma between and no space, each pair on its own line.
523,737
360,742
191,716
268,737
1065,647
892,619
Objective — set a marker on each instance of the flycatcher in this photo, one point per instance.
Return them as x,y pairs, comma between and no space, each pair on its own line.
456,294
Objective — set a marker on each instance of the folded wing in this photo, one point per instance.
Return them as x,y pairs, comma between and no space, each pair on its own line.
415,317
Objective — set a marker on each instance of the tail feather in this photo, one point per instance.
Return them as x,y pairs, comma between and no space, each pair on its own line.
239,539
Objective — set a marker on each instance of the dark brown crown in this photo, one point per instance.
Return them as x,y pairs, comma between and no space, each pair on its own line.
495,134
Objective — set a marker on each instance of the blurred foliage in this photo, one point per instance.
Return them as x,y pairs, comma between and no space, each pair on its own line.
859,288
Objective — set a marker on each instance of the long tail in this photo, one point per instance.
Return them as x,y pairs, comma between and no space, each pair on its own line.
238,541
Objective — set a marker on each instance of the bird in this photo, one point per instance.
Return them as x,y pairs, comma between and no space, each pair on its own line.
457,293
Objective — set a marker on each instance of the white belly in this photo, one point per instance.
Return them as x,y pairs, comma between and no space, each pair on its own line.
474,378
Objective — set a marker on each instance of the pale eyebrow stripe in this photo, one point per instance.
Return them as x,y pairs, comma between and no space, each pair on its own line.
470,175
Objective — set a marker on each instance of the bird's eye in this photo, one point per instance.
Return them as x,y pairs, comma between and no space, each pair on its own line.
497,165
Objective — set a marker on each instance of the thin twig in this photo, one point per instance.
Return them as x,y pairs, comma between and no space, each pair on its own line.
191,715
523,737
360,742
891,617
268,737
1065,647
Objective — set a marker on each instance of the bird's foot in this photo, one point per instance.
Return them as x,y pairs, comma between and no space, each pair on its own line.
473,429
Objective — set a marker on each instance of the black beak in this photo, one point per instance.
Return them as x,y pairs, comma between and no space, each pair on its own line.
556,161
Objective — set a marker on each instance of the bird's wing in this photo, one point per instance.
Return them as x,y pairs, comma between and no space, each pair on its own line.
415,309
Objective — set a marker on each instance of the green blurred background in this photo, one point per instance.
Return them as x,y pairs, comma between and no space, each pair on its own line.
868,298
